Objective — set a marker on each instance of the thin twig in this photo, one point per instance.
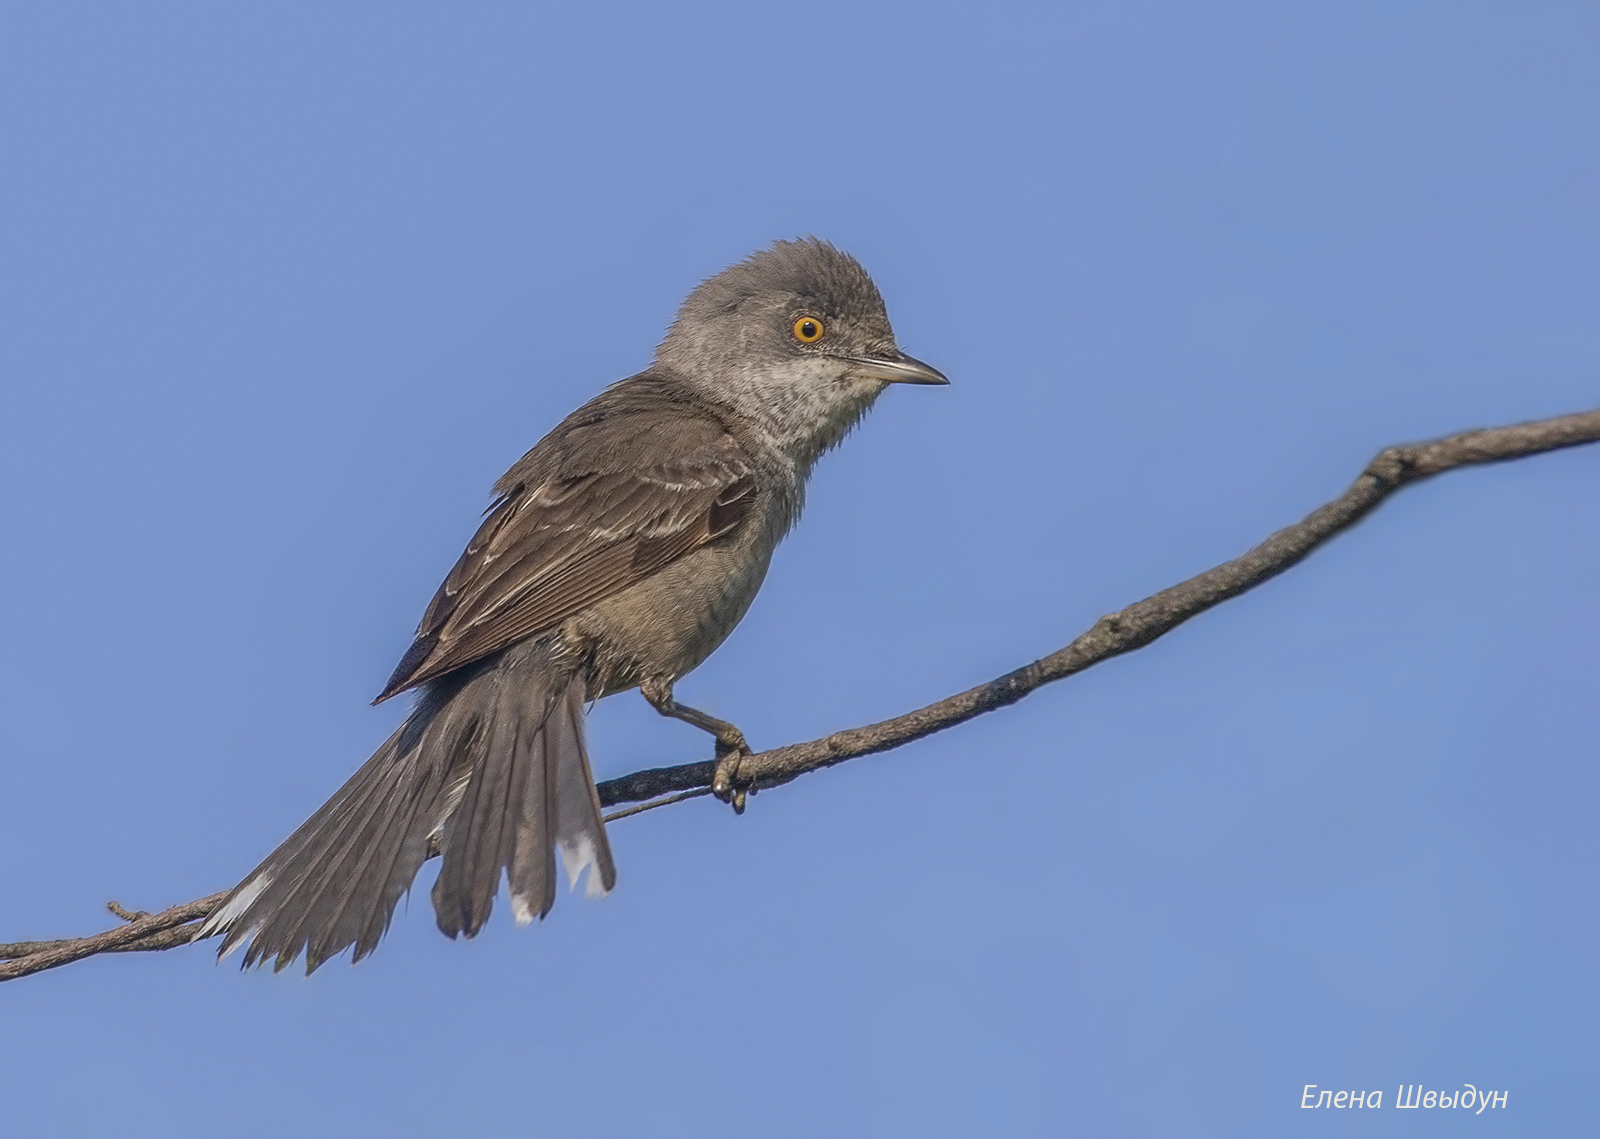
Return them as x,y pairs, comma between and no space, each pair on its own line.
131,935
1121,632
652,805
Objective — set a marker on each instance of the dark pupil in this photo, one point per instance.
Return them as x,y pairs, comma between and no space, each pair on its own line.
808,329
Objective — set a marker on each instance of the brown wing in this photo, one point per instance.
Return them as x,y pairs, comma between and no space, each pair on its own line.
550,548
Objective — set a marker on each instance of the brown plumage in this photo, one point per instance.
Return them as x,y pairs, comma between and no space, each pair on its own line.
621,550
606,500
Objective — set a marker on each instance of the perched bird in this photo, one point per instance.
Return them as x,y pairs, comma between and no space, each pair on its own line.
618,554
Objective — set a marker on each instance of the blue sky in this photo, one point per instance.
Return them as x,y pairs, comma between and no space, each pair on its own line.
283,290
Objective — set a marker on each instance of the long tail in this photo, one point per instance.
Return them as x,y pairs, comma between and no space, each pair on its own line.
490,768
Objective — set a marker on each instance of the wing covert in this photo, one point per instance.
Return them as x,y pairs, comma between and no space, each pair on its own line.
551,546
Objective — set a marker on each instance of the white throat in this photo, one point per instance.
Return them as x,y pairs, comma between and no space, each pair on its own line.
802,413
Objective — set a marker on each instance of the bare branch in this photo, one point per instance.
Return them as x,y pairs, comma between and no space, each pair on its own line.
1121,632
1143,622
144,933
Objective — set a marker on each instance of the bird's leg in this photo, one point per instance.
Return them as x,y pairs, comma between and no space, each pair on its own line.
731,745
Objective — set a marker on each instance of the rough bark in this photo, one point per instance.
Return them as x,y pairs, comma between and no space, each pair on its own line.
1117,633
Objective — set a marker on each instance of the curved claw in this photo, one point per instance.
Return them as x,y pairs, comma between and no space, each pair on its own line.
726,783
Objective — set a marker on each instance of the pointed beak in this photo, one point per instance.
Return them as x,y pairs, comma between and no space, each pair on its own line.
896,369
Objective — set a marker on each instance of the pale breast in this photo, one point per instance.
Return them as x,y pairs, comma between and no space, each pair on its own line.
666,625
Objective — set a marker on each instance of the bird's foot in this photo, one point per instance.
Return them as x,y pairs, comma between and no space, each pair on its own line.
727,783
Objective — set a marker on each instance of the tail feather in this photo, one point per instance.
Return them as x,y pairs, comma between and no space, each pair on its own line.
451,732
534,791
318,906
464,891
579,833
268,905
332,922
530,861
494,761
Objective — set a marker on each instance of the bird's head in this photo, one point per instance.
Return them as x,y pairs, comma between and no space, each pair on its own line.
795,337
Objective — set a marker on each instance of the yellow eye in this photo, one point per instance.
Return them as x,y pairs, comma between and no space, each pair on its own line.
808,330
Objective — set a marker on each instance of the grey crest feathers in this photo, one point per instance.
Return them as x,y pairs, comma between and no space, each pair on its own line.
807,275
621,551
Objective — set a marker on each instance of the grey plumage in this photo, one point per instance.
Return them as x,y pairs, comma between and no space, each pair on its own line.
619,553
